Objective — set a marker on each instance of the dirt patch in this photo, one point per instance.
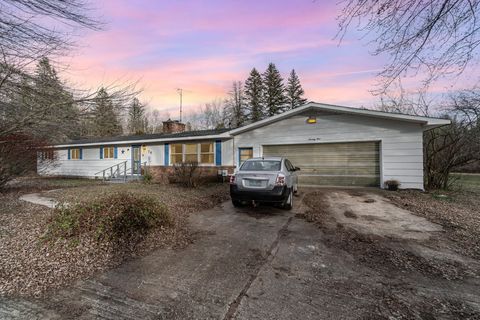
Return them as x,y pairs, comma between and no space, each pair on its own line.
31,267
458,213
415,278
350,214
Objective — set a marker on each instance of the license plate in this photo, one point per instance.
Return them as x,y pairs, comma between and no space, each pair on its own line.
255,183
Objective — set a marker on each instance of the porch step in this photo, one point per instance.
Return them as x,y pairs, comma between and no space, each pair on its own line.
123,180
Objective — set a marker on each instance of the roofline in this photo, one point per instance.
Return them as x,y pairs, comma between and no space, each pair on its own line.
425,121
142,141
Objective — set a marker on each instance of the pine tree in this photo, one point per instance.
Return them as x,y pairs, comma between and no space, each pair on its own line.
294,92
137,121
274,97
105,119
45,96
254,91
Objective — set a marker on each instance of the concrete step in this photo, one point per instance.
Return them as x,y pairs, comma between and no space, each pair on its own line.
123,180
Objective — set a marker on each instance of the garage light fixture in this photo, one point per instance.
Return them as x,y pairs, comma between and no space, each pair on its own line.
311,120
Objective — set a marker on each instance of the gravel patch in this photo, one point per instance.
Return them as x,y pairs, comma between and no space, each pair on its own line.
32,266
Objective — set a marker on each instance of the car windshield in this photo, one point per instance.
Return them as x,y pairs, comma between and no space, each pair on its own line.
261,165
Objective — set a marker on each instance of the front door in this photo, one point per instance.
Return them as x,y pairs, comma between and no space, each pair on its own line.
136,160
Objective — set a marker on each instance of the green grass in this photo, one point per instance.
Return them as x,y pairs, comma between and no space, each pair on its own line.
467,181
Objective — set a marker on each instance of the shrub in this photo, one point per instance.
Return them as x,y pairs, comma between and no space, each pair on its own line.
118,218
392,184
147,177
186,174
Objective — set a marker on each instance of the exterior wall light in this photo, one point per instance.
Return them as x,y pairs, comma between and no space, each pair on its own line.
311,120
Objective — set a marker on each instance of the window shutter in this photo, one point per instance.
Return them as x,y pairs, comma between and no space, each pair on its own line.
101,152
166,154
115,152
81,153
68,152
218,152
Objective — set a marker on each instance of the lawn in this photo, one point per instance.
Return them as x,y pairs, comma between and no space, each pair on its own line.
467,181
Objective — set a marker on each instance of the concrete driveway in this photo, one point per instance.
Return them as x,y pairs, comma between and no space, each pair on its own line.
247,263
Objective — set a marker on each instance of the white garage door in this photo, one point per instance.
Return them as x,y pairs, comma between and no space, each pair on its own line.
334,164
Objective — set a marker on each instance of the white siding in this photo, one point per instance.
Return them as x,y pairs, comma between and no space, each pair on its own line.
401,142
227,152
90,164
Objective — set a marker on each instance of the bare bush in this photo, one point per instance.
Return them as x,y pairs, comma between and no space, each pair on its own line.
187,174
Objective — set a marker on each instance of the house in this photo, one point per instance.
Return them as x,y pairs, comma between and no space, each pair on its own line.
333,145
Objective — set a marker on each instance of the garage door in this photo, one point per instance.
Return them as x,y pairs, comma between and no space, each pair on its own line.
334,164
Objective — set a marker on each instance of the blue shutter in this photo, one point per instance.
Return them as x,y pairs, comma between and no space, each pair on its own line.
218,152
81,153
167,154
68,151
115,152
101,152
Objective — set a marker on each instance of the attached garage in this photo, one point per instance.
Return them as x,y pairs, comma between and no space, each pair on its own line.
333,164
341,146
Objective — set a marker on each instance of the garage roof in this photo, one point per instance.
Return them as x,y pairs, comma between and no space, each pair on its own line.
426,122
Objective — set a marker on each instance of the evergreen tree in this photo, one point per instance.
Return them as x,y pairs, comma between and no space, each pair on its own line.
254,91
44,96
274,97
137,121
294,92
105,119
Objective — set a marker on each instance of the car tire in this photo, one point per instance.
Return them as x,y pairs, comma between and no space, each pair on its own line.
295,190
236,203
288,204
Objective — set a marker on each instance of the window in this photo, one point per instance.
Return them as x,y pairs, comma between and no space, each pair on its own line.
261,165
191,153
206,153
176,153
75,154
47,155
108,152
245,154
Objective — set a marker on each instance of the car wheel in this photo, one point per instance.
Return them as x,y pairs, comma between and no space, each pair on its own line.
295,190
236,203
288,204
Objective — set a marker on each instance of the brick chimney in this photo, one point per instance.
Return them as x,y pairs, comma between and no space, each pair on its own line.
173,126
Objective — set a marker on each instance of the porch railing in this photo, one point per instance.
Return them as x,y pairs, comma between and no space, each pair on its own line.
120,170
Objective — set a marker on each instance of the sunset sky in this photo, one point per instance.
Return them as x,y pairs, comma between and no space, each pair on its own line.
202,46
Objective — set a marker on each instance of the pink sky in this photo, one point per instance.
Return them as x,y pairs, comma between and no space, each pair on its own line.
203,46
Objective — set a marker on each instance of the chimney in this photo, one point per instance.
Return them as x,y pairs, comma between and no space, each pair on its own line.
173,126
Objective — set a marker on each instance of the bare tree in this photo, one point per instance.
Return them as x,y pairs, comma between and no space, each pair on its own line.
235,107
431,37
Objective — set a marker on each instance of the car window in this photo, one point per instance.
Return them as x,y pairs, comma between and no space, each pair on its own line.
289,165
261,165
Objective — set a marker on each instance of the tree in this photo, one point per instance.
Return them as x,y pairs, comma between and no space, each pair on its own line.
446,148
154,122
235,109
105,118
274,97
137,121
294,92
254,91
41,106
431,37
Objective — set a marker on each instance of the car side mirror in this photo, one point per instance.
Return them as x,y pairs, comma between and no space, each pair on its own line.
296,169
